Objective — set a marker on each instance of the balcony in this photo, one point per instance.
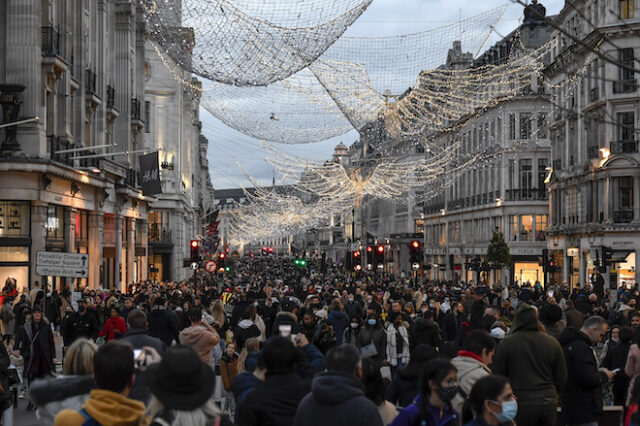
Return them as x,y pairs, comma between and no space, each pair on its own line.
59,144
523,194
111,97
622,216
51,42
594,94
135,109
625,86
624,147
159,234
90,85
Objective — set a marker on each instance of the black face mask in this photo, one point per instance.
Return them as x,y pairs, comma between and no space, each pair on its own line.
446,394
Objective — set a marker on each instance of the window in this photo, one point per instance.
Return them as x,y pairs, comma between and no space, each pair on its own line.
14,219
625,56
513,228
512,126
526,228
626,9
542,125
626,126
55,222
543,163
525,125
147,117
526,177
625,193
541,227
82,227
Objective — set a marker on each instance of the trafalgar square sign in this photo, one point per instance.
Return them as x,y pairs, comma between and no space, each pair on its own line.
61,264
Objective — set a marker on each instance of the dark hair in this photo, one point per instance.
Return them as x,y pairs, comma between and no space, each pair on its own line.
195,315
373,382
634,314
478,340
574,318
137,319
279,356
626,334
435,370
420,355
488,387
343,358
113,366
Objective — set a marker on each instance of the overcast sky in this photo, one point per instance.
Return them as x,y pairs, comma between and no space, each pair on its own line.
228,147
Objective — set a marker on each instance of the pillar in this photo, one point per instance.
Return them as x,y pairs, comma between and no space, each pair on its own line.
144,263
117,275
566,267
131,252
96,226
582,262
38,236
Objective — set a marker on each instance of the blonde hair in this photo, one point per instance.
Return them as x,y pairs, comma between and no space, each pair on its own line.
252,344
217,312
201,416
79,358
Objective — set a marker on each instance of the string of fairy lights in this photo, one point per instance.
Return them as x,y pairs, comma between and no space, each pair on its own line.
281,71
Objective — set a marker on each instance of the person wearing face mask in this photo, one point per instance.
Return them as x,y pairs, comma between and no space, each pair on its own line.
352,332
373,336
353,308
373,305
398,350
432,406
582,396
491,402
84,323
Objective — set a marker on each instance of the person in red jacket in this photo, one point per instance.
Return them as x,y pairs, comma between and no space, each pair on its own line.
114,326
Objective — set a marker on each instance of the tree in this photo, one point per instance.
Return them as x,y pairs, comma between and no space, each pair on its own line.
498,254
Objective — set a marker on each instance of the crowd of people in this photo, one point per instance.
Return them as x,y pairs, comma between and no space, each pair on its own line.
272,343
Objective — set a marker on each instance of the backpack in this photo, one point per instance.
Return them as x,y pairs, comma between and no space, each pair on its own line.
88,420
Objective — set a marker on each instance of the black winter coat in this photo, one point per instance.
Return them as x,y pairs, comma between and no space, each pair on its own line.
424,331
582,396
337,399
273,402
84,325
163,324
402,390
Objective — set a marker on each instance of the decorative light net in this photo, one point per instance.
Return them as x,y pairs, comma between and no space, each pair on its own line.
248,42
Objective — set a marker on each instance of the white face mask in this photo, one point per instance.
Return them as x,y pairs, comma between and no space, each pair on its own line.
354,325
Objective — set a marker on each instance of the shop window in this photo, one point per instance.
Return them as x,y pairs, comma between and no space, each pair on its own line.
55,222
526,228
14,219
513,228
541,227
14,254
82,227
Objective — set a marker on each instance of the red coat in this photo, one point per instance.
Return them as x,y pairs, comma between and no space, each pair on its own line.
110,327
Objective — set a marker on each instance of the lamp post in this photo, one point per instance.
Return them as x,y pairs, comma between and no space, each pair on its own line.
11,99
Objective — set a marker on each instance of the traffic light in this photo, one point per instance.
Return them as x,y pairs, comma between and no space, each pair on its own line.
545,259
264,251
300,262
221,261
195,251
379,255
369,255
415,252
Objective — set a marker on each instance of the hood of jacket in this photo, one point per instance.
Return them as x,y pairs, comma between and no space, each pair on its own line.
43,392
465,364
570,334
191,335
110,408
526,318
333,388
243,382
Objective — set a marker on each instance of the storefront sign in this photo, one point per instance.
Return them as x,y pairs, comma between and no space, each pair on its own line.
60,264
150,174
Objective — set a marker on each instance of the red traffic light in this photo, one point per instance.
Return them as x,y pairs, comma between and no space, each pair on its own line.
270,249
369,249
222,255
356,253
380,248
415,244
194,243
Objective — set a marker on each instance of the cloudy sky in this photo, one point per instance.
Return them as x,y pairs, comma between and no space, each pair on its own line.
228,147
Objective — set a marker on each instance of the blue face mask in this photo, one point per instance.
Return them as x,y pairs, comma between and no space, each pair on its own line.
509,411
371,321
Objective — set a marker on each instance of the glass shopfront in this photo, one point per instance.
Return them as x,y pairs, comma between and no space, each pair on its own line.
15,232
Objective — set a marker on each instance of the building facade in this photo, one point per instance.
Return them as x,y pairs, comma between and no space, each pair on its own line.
595,185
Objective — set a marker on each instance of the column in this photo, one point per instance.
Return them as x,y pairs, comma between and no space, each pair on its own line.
143,267
583,267
636,199
117,275
131,252
96,227
608,200
38,236
566,267
70,233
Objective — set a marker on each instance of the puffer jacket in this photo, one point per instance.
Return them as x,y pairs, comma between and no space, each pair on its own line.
54,395
470,370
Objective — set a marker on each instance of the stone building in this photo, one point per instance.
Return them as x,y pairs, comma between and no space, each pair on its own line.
595,185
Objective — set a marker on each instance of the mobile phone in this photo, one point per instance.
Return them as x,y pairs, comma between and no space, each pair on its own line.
550,293
139,357
285,330
616,371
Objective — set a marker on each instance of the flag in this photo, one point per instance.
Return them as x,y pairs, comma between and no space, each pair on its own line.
211,230
150,174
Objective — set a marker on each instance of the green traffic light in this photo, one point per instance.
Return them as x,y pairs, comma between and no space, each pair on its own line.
303,262
228,268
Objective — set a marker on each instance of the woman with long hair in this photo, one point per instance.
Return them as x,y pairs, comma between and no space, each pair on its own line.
432,406
491,402
374,390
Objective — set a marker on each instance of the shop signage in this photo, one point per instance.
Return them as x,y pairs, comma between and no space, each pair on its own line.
150,174
60,264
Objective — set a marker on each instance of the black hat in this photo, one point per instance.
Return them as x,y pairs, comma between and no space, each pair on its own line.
36,308
182,381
